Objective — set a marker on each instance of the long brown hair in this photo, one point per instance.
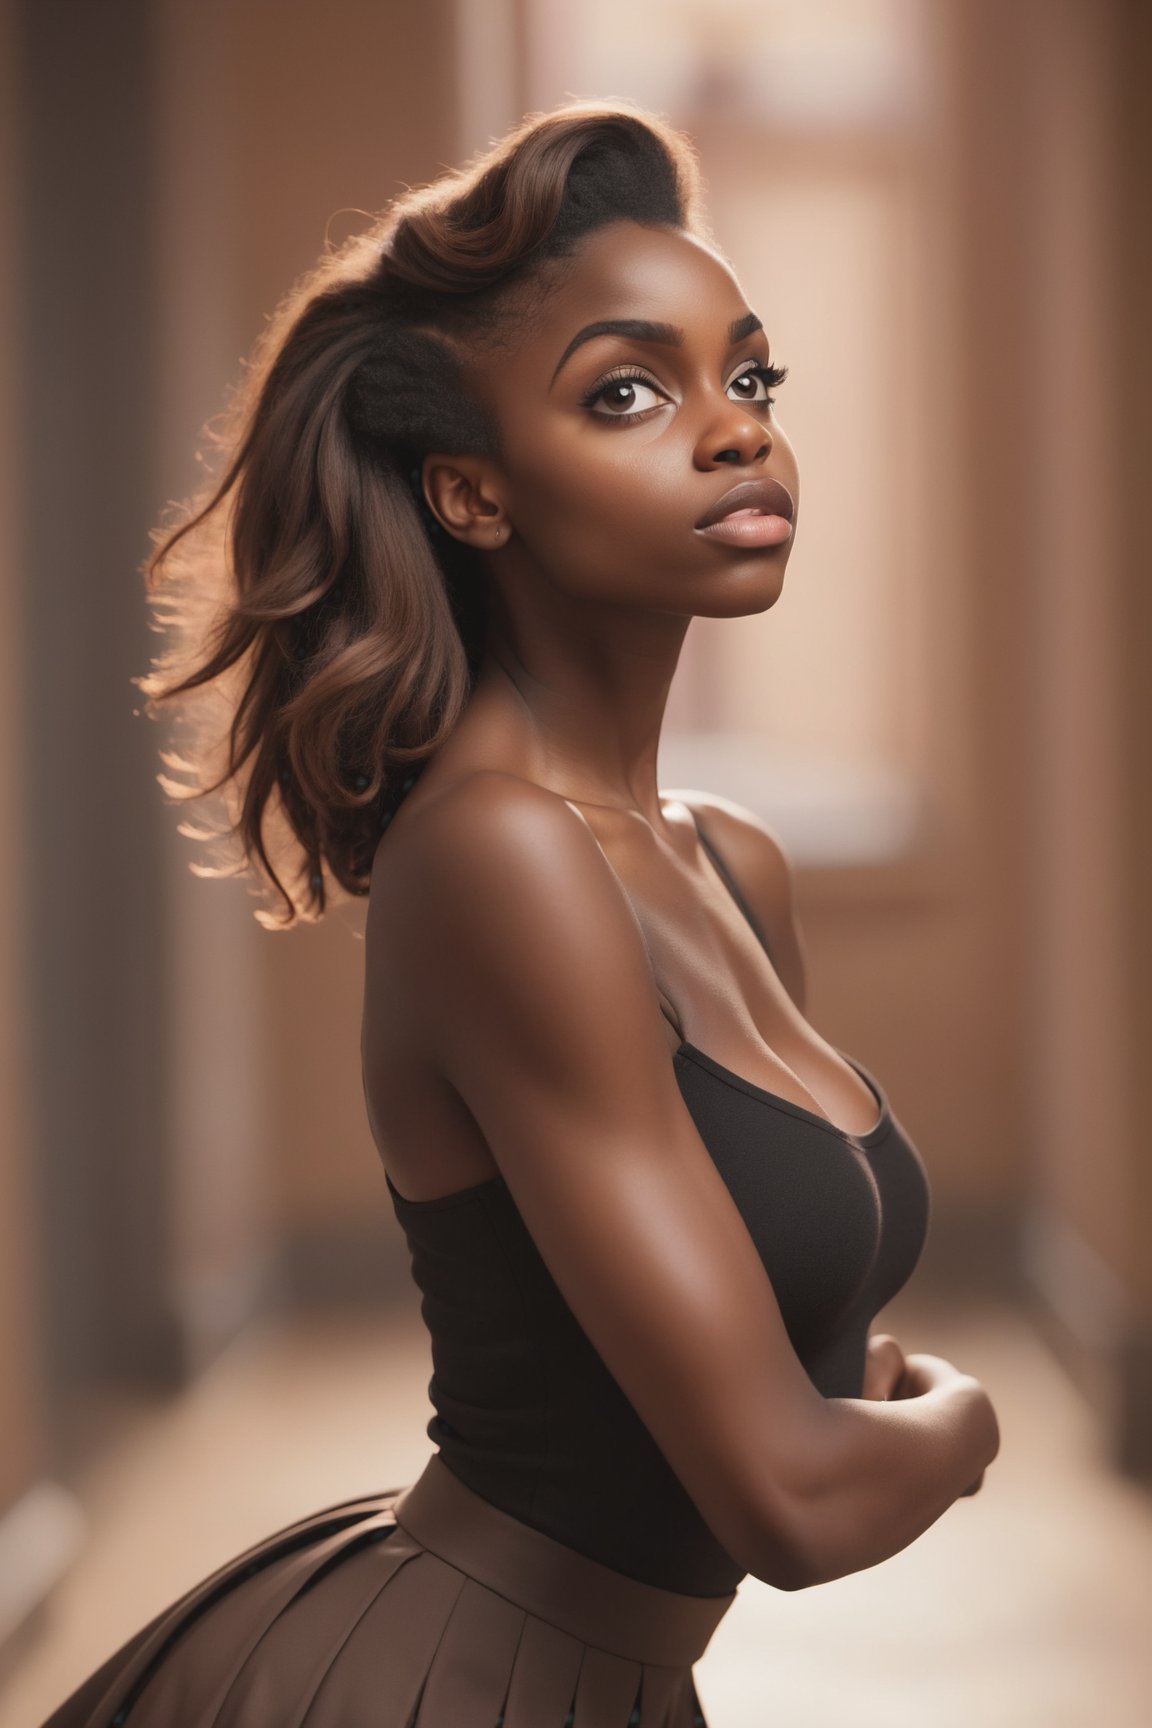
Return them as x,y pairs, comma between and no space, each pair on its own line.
316,608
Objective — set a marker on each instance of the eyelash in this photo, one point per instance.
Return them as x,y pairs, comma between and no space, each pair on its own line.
771,375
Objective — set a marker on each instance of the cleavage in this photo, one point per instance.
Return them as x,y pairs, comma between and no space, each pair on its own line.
784,1082
731,947
701,931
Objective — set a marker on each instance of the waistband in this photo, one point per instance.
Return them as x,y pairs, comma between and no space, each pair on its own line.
580,1596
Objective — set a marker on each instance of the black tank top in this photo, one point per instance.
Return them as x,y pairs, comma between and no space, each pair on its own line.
527,1414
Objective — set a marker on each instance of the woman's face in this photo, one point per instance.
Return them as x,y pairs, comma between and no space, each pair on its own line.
617,443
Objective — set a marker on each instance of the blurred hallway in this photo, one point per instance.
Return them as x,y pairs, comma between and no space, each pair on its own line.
940,207
1025,1607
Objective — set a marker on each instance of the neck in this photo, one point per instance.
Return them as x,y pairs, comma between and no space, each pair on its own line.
589,700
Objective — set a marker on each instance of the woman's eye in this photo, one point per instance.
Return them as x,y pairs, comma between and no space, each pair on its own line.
755,384
623,397
626,396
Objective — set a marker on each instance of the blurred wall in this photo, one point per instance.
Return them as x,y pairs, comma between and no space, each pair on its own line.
1083,322
93,919
17,1368
1133,178
1045,548
39,1523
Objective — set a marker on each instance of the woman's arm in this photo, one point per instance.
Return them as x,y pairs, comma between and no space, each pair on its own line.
525,970
764,878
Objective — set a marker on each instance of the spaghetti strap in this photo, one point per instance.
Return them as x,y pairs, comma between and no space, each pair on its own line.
730,881
667,1008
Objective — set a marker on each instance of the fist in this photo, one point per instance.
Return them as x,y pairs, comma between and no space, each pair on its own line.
883,1367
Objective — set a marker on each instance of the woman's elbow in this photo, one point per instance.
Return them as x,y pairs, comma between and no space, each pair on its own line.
768,1542
785,1566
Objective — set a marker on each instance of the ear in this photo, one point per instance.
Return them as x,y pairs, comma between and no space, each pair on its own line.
463,494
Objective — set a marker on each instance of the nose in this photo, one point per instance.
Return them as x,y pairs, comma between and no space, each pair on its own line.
735,436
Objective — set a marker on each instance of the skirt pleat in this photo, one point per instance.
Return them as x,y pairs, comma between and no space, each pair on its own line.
468,1677
377,1680
422,1607
542,1685
283,1674
132,1670
667,1697
608,1689
208,1649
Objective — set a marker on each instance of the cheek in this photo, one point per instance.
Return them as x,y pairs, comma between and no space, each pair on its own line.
604,486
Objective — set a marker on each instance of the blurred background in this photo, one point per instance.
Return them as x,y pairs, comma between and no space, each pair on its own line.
940,210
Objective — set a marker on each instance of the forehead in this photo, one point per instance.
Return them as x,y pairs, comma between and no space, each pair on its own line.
624,270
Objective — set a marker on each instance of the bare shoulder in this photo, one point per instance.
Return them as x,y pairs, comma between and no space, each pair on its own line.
492,898
759,862
483,839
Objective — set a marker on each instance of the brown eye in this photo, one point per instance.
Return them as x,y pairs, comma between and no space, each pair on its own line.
761,379
622,395
752,387
626,395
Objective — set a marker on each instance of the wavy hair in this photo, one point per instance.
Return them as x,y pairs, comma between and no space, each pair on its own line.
324,630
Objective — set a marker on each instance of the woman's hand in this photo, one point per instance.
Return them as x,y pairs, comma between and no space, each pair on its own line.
883,1368
888,1373
921,1374
924,1373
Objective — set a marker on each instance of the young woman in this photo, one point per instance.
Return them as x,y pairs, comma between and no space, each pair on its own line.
490,461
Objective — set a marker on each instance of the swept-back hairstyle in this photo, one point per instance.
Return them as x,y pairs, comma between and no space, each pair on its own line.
314,605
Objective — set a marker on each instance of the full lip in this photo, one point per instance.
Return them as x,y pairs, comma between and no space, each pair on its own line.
768,497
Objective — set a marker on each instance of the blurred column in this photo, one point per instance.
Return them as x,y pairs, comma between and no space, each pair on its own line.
1092,1213
39,1522
1052,167
1132,52
91,823
144,1090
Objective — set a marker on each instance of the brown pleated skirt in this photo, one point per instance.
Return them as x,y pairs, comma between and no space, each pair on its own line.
421,1607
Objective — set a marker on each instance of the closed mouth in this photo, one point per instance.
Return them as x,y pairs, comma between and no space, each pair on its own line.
764,497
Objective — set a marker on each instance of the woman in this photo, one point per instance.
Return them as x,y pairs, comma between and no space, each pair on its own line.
490,461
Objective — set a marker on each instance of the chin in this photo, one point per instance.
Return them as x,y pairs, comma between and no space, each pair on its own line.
749,587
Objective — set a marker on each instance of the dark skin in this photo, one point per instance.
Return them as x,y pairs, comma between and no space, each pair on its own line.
544,927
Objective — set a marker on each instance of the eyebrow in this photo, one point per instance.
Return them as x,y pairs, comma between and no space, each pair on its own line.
644,330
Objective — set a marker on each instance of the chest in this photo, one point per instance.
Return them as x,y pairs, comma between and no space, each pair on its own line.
838,1221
